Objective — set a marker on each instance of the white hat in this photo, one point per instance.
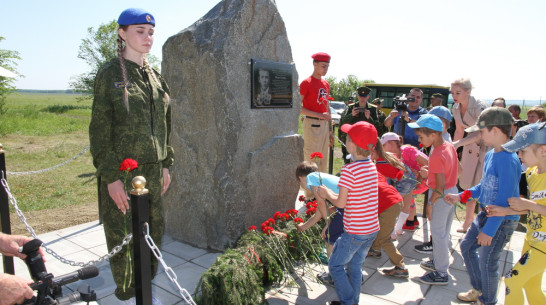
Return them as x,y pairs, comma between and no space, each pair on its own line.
389,136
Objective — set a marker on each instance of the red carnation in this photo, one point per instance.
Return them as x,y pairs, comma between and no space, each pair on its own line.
268,230
400,175
311,211
292,212
330,98
311,204
465,196
277,215
252,228
271,221
128,165
421,145
301,198
317,155
298,220
285,216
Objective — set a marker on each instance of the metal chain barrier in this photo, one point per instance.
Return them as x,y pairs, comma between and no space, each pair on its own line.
168,270
151,244
51,168
30,229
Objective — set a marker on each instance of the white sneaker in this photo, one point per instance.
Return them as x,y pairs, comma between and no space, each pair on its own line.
131,301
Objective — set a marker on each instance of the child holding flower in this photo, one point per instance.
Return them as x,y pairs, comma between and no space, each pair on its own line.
131,118
482,245
442,179
309,179
526,275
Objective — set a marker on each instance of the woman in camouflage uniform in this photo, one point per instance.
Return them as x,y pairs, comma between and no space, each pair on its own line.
131,118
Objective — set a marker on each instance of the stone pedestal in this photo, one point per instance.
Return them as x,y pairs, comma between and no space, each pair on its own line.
234,166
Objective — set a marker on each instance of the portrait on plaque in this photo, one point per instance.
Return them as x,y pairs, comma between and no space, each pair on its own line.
271,84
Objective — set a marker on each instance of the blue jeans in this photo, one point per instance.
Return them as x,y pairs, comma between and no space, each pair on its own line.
482,263
350,250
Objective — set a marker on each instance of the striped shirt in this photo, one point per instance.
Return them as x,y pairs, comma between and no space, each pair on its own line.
360,217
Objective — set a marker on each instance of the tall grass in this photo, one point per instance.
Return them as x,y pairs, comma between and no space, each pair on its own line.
40,131
44,114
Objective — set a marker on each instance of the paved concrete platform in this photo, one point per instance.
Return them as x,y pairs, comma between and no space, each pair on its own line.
86,242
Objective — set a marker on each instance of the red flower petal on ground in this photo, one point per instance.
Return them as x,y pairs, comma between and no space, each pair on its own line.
317,155
252,228
465,196
128,165
298,220
301,198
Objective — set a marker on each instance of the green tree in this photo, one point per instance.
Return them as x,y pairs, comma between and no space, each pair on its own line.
7,61
99,47
346,87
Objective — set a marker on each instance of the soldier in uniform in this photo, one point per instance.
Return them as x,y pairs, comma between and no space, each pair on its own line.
359,111
378,103
131,118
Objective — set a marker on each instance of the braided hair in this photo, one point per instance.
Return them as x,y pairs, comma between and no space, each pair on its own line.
147,67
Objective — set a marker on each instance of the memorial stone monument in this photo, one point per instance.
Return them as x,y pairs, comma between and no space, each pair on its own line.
234,164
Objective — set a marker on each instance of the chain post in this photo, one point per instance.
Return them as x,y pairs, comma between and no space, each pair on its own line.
140,211
4,214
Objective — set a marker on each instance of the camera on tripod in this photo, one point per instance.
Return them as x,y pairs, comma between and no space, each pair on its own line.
48,287
401,102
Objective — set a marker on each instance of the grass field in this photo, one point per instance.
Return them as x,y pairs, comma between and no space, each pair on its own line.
40,131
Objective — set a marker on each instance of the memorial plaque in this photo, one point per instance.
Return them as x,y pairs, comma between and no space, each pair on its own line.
271,84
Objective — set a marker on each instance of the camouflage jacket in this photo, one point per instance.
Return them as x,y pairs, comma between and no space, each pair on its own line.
142,133
348,118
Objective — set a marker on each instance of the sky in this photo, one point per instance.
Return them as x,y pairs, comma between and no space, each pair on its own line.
500,45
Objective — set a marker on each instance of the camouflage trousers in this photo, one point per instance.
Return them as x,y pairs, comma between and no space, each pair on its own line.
117,226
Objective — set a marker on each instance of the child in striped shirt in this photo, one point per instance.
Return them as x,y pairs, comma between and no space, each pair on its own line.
358,195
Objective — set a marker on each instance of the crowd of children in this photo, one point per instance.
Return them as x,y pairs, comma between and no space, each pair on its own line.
371,200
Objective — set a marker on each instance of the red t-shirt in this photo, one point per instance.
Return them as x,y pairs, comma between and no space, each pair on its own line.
388,195
313,90
443,159
360,216
387,170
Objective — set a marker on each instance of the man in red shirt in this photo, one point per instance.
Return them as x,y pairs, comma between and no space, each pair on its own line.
314,90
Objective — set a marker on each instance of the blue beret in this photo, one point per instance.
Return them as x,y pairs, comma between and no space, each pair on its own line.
135,16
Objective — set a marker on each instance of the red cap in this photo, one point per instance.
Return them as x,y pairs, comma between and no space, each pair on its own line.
363,134
321,56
